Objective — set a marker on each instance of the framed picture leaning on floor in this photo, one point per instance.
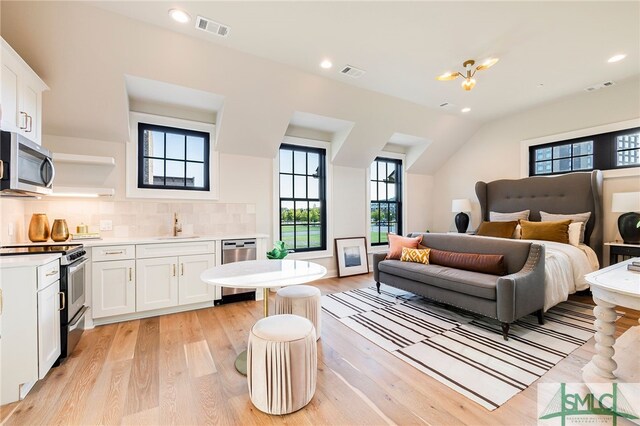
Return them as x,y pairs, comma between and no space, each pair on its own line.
351,254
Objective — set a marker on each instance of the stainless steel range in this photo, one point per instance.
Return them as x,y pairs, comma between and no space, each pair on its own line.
73,262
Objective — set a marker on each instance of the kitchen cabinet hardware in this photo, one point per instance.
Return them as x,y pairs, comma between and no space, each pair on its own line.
114,252
174,269
54,272
63,303
1,169
182,269
130,274
25,120
30,125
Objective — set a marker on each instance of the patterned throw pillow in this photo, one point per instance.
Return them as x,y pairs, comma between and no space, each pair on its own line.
415,255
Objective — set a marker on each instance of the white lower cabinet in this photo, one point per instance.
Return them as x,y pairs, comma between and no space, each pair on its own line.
114,288
153,277
156,283
30,327
191,289
49,304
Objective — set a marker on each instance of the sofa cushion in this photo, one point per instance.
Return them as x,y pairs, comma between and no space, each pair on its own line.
515,252
397,242
492,264
466,282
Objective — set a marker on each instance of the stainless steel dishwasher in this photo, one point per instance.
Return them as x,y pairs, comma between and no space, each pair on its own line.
238,251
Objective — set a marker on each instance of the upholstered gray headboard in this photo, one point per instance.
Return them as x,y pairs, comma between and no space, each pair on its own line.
571,193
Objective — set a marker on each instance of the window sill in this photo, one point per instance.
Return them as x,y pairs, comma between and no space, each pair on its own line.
378,249
310,255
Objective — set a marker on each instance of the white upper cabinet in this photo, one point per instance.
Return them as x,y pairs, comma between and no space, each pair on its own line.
20,96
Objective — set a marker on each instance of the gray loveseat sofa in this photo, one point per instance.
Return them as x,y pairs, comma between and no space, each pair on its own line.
506,298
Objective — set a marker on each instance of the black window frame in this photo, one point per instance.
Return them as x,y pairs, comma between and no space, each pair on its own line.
605,152
374,199
142,127
322,195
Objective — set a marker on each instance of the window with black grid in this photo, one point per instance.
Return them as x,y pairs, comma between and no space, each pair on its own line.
605,151
172,158
386,199
303,224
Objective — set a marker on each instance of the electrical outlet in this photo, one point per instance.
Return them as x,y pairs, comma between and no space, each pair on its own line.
10,230
106,225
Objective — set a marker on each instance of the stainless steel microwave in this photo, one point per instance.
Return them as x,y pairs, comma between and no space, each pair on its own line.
26,168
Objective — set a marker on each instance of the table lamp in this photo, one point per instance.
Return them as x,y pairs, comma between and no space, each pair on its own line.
629,204
462,219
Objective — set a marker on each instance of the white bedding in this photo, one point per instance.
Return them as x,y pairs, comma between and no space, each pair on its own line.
565,268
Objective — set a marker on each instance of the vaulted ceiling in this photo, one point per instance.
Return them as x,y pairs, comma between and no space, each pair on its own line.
265,76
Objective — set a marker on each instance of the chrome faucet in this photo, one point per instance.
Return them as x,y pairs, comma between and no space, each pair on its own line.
177,226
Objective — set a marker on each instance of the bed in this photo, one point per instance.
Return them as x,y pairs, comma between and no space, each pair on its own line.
565,265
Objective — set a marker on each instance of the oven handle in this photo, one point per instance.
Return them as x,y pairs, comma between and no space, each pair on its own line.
79,316
75,266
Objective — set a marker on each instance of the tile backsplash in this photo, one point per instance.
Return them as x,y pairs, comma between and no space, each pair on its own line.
132,218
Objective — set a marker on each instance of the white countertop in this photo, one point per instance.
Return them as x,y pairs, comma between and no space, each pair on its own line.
149,240
19,261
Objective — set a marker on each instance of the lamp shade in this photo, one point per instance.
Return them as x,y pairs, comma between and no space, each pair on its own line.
461,205
624,202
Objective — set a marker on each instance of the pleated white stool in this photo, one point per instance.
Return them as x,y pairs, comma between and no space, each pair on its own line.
282,363
302,300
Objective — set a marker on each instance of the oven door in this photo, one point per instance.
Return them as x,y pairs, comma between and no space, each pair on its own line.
76,286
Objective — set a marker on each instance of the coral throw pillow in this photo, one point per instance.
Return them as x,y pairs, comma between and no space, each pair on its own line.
415,255
397,242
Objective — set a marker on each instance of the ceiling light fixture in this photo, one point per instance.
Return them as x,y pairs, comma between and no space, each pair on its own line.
179,16
467,109
617,58
326,64
469,82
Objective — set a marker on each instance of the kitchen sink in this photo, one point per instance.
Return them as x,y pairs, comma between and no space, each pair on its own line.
179,237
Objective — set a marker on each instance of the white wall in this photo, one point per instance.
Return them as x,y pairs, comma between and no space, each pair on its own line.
494,151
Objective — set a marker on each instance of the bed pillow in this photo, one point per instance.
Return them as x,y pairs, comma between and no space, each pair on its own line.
415,255
497,229
547,231
397,242
508,217
576,217
575,230
485,263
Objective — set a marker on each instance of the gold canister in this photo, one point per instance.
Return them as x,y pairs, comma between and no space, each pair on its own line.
82,229
59,230
39,228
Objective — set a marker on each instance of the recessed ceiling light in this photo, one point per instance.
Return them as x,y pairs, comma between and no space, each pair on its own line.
326,64
179,16
467,109
617,58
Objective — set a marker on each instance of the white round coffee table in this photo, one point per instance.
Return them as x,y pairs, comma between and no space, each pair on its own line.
264,274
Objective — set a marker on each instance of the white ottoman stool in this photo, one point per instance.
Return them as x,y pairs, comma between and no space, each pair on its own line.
302,300
282,363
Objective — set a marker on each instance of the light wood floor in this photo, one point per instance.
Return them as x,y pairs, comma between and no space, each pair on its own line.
178,369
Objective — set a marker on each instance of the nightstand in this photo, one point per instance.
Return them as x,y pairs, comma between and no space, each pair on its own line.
621,249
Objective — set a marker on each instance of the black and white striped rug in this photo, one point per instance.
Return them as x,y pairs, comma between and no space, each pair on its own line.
462,350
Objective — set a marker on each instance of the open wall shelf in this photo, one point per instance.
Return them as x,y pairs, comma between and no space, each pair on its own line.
60,157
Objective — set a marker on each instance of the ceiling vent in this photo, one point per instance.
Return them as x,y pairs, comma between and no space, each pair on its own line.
446,105
352,72
213,27
599,86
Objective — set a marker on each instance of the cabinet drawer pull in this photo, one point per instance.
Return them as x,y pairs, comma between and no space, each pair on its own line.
25,120
130,274
182,269
174,269
63,303
30,125
52,273
114,252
